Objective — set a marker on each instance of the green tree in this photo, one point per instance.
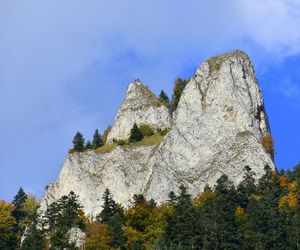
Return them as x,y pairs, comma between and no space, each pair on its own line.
217,216
135,134
178,88
60,217
19,214
182,226
88,145
163,97
78,142
35,238
109,207
111,215
97,140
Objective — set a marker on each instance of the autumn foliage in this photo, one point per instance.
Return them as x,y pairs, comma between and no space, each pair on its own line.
268,143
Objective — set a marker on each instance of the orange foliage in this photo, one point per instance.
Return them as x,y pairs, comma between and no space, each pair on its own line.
268,143
283,181
97,236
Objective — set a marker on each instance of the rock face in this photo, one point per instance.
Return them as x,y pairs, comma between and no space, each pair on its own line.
216,129
140,106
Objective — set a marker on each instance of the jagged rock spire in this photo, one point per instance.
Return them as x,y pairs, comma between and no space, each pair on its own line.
216,129
140,106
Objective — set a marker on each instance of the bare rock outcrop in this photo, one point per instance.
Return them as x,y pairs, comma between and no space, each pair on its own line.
140,106
216,129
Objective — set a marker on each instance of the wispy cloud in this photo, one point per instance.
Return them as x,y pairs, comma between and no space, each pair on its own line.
64,65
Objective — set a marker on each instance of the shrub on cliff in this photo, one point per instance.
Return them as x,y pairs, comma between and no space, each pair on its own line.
179,86
146,130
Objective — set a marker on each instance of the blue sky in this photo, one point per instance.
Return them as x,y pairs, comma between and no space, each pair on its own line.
65,66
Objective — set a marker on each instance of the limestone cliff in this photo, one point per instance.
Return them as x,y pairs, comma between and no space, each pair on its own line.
216,129
140,106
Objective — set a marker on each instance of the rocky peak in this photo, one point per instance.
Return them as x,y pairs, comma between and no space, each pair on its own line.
140,106
216,129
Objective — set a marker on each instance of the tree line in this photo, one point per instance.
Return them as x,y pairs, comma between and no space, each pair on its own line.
256,214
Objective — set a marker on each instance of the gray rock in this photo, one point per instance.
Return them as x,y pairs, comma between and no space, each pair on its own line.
140,106
216,129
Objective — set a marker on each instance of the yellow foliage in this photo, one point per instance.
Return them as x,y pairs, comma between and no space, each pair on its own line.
7,221
283,181
240,213
256,197
290,200
201,198
268,143
97,236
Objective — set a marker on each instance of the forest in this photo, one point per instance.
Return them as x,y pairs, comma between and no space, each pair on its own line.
256,214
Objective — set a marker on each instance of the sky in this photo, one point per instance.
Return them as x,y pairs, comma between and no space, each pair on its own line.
65,66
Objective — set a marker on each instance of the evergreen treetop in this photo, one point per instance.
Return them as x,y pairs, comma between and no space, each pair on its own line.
163,97
78,142
97,140
135,134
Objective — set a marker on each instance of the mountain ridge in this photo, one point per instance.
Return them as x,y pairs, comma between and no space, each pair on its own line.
217,128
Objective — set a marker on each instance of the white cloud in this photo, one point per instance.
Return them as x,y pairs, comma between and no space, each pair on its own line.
64,65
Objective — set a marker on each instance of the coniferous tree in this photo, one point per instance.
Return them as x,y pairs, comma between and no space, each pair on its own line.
163,97
135,134
182,227
111,215
97,140
109,207
179,86
88,145
35,238
78,142
18,201
219,227
60,217
19,214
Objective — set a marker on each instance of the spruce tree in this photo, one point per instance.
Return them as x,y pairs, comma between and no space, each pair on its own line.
78,142
135,134
163,97
18,201
88,145
97,140
19,215
111,215
35,239
182,226
179,86
109,208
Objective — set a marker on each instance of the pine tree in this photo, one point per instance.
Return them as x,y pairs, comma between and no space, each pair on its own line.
78,142
135,134
97,140
116,232
19,214
60,217
179,86
217,216
111,215
163,97
35,239
88,145
109,208
182,227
